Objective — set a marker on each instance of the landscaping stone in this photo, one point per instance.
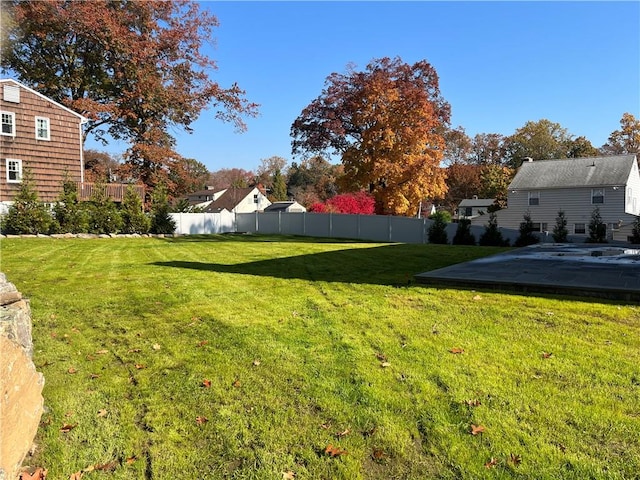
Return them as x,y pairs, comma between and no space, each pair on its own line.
21,402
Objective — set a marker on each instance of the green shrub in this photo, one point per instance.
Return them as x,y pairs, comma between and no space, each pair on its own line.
104,216
69,214
134,220
27,215
526,236
438,229
463,234
597,228
560,231
635,231
161,221
492,237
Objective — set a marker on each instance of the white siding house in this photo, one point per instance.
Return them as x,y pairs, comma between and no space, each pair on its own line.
472,207
238,200
576,186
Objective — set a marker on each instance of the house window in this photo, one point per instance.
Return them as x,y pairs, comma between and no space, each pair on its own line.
8,123
255,198
597,195
579,228
534,198
42,128
14,170
468,211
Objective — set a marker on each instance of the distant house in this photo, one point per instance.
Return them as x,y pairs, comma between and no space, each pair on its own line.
209,194
576,186
44,137
289,207
238,200
470,208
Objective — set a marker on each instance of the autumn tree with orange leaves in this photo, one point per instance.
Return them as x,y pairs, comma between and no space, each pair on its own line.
134,68
387,124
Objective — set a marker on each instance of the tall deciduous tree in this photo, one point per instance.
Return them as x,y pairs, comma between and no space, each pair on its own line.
134,68
541,140
230,177
387,125
626,139
313,180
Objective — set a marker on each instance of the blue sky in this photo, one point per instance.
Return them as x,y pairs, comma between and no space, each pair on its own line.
500,65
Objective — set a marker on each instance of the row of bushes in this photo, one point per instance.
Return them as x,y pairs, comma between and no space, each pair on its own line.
492,236
27,215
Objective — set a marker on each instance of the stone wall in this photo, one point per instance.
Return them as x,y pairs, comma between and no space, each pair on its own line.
21,401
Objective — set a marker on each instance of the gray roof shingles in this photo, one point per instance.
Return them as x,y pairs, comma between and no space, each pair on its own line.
573,172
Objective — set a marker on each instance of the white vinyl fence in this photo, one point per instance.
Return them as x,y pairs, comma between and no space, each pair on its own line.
377,228
204,223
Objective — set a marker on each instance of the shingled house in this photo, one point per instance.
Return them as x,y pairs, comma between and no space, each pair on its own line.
576,186
45,137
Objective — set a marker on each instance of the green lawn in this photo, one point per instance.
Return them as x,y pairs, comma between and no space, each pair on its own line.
269,357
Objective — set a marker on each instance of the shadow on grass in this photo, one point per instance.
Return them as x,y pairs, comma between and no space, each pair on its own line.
393,264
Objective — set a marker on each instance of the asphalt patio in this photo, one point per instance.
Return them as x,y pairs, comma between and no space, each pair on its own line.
603,271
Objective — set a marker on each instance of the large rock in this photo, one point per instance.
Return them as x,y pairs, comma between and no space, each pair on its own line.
21,386
21,405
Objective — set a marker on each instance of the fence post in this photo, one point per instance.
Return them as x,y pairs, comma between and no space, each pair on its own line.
304,223
279,222
358,227
389,226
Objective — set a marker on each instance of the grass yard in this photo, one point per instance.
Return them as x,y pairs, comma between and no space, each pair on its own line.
252,357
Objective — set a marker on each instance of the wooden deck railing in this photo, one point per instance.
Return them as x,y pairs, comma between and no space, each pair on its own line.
115,191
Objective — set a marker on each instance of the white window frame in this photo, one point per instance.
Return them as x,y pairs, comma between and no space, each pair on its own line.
593,195
12,116
48,128
535,196
18,162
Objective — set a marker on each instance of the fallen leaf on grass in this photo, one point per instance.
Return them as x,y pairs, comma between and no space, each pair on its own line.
256,362
201,420
134,350
547,355
325,426
102,352
106,467
289,475
39,474
237,383
102,412
206,383
457,350
139,366
477,297
476,429
473,402
72,371
131,460
378,454
385,364
344,433
156,346
334,451
75,476
515,459
202,343
382,357
93,376
67,427
491,463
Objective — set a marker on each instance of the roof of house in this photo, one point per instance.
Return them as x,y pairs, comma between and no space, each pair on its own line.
477,202
280,206
82,118
229,199
574,172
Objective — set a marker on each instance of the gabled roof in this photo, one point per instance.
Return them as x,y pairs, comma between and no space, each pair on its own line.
82,118
574,172
477,202
282,206
229,199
